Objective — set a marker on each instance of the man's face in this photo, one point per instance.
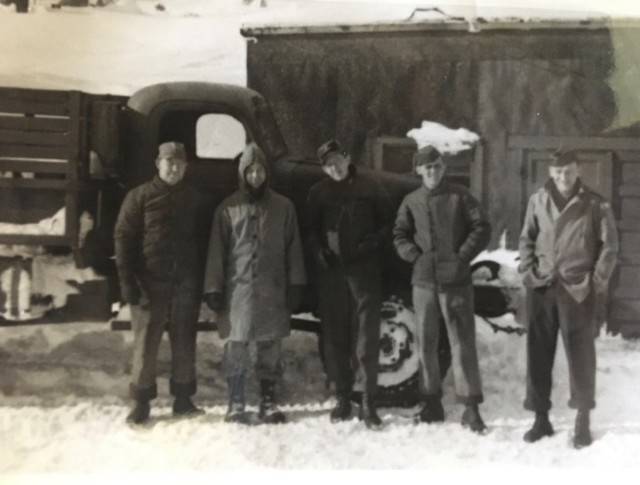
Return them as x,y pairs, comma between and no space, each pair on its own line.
336,166
564,177
255,175
171,170
432,173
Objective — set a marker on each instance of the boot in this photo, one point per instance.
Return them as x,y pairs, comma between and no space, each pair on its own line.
236,412
541,428
140,412
432,412
471,419
183,406
368,412
342,411
582,433
269,412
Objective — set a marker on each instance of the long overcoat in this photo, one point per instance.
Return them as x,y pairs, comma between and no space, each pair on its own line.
254,255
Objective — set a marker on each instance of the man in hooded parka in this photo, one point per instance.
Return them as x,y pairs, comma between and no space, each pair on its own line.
253,280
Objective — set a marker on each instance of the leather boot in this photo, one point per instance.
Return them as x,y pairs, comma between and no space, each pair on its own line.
541,428
183,406
269,412
471,419
236,410
432,412
582,433
140,412
342,410
368,412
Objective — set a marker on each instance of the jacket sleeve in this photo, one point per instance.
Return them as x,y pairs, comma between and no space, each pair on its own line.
608,256
214,277
403,234
479,229
528,238
293,249
128,234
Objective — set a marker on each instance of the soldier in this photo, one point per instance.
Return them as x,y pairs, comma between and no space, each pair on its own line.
253,281
350,216
440,228
568,250
157,255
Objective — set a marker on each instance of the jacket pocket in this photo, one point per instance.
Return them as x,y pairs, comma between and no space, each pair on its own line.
422,269
452,272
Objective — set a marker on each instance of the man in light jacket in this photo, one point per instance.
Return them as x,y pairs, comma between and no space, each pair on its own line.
254,277
568,251
440,228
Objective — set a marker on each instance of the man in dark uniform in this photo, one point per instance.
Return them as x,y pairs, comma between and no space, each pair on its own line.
158,258
568,251
350,215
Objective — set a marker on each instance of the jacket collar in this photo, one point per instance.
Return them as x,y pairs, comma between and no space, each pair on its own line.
441,188
160,184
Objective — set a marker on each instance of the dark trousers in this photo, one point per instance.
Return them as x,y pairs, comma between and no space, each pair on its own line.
171,306
551,309
455,306
349,303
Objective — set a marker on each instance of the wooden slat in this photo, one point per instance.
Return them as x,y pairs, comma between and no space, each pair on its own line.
34,95
629,242
33,138
32,123
629,156
625,293
33,239
33,108
36,184
630,329
629,258
629,276
27,151
13,165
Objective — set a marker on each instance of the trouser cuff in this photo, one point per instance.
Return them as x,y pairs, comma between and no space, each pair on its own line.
180,389
536,408
477,399
582,405
146,394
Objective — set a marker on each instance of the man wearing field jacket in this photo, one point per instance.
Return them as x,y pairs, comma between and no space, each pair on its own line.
440,228
159,262
350,216
568,251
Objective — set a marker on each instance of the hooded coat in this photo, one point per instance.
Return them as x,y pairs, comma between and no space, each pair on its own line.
255,255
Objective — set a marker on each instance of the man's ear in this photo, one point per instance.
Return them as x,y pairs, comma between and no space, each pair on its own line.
157,163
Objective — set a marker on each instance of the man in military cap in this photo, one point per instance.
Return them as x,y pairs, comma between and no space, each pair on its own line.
440,228
350,216
158,255
568,251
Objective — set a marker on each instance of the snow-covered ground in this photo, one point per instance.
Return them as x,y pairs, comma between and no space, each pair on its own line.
63,388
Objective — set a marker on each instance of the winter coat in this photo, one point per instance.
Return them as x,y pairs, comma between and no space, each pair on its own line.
255,255
157,234
577,247
440,231
358,210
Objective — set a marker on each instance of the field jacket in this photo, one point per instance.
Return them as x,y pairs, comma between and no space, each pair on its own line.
577,247
440,231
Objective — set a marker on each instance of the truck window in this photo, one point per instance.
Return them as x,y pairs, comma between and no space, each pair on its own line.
219,136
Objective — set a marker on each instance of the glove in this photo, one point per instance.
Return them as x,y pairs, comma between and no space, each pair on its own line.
215,301
294,295
131,293
326,257
367,246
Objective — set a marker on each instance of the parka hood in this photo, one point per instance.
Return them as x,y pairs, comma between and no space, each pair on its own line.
250,155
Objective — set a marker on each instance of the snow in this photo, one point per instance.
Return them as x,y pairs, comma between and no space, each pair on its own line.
63,388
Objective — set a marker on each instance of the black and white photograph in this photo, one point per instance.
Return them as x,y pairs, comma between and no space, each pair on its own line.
319,235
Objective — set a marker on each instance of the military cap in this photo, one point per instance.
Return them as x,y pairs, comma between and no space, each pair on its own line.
562,158
329,147
425,155
172,149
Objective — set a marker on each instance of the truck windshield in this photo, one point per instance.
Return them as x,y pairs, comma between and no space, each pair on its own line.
219,136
